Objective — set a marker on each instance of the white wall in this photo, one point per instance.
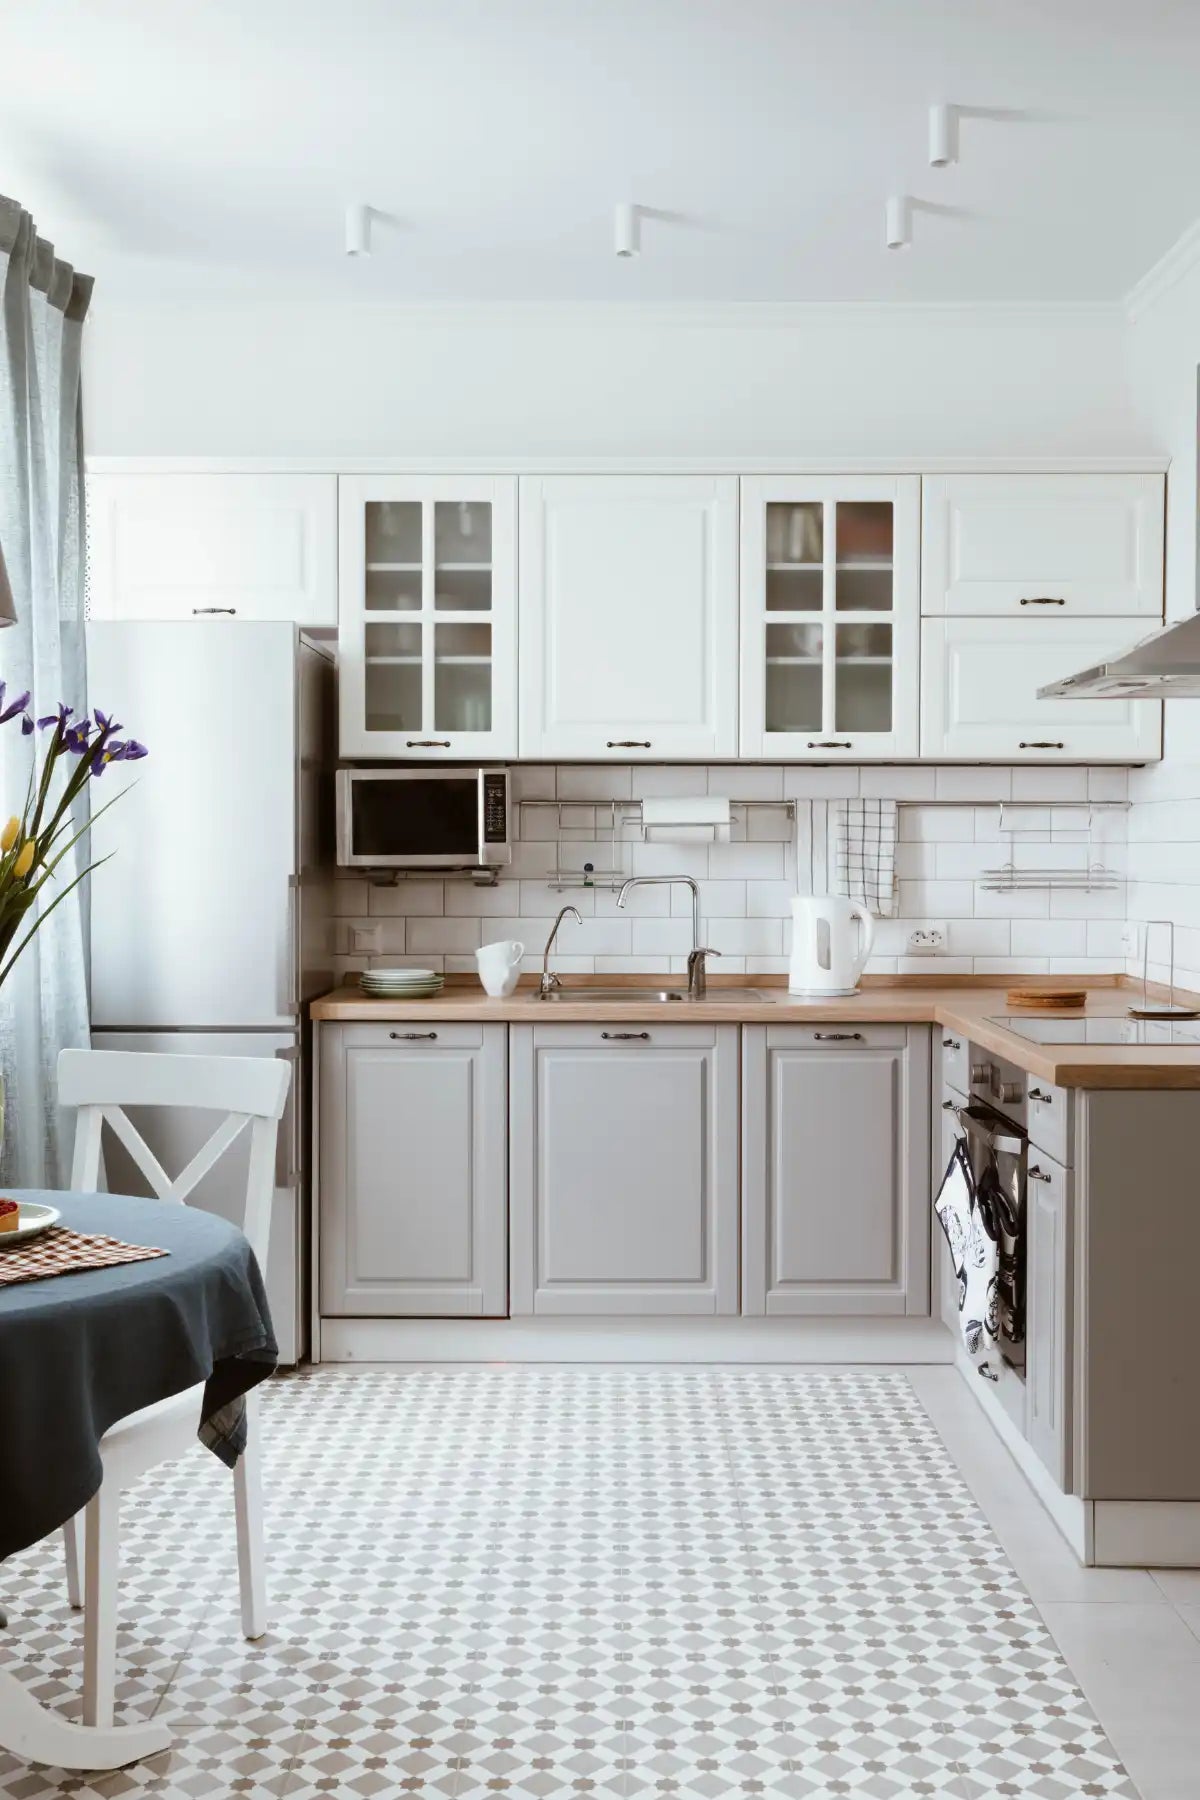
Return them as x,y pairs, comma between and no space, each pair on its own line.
1164,823
285,378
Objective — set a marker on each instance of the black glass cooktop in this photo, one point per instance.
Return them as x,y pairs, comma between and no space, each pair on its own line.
1157,1034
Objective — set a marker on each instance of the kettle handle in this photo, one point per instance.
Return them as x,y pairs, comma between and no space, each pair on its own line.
868,935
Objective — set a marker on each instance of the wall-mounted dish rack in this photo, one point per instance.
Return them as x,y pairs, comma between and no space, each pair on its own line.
1093,875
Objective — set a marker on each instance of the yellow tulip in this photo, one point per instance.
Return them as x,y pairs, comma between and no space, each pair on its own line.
24,860
8,836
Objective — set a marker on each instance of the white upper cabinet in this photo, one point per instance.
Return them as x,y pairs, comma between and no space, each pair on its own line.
427,629
178,546
979,692
629,617
1052,545
830,612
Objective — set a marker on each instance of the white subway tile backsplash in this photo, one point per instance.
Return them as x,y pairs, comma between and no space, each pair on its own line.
746,886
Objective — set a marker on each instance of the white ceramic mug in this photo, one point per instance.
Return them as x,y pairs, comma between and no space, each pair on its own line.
499,967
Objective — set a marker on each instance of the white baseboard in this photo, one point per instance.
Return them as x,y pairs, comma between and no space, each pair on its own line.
1072,1515
634,1340
1154,1534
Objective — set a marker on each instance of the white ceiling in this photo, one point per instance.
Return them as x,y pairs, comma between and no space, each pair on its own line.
168,144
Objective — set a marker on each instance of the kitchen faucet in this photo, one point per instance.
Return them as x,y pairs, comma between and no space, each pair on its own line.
696,973
550,980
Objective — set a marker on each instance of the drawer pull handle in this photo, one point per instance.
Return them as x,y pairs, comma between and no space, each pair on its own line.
1041,744
1035,1174
829,744
951,1044
201,611
427,743
1037,1094
411,1037
1042,600
621,1037
948,1106
838,1037
627,744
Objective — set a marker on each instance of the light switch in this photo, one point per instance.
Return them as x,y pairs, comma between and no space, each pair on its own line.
365,940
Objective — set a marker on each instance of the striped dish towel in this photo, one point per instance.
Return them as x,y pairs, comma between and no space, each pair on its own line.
866,854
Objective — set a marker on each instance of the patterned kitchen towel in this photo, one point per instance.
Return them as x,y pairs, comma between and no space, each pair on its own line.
62,1252
974,1253
866,854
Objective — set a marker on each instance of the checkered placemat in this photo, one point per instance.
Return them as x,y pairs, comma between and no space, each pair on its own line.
62,1252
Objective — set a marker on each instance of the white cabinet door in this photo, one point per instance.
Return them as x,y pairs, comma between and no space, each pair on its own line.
174,546
1049,1314
830,611
979,693
427,633
629,617
835,1167
1053,544
412,1194
624,1172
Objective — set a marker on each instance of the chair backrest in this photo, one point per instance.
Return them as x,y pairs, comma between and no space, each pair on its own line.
249,1090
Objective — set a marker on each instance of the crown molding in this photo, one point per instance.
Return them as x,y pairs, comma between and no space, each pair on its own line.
1162,276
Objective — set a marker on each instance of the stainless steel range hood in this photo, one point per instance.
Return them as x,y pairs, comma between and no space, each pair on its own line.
1163,666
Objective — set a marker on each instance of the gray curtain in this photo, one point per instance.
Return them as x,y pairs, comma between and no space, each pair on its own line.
43,1004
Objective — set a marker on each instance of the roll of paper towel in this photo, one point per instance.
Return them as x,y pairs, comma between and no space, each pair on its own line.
689,819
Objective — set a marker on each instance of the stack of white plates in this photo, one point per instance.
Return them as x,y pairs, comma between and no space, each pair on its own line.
401,984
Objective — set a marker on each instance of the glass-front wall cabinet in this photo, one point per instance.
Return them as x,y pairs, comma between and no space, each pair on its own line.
427,621
830,617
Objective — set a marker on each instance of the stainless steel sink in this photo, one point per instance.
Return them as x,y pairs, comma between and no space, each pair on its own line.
623,996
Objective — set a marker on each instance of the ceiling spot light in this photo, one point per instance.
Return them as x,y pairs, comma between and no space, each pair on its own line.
358,229
627,236
943,136
898,222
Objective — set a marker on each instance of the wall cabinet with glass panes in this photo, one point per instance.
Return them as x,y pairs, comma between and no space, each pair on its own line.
830,598
427,617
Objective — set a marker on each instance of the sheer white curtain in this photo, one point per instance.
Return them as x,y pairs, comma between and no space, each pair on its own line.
43,1004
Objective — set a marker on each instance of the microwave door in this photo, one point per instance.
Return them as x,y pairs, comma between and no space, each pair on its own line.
393,819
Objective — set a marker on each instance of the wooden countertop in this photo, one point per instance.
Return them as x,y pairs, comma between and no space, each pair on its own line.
965,1005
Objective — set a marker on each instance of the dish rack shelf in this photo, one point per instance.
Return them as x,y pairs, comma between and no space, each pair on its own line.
623,817
1094,875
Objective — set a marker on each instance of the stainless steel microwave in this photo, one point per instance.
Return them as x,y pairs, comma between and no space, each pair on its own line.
423,818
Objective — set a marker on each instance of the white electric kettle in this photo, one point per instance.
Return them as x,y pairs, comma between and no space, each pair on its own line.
824,958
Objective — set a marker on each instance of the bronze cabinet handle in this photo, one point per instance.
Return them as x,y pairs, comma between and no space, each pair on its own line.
829,744
1035,1174
627,744
428,743
618,1037
1041,600
947,1106
1037,1094
838,1037
202,611
1041,744
951,1044
411,1037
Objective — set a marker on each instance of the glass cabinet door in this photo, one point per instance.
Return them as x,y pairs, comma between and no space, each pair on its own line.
426,632
830,615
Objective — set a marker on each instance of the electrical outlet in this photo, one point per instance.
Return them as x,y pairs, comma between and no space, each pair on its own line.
365,940
1131,939
928,939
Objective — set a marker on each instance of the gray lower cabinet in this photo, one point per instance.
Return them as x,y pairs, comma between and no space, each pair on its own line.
623,1169
835,1169
413,1170
1049,1281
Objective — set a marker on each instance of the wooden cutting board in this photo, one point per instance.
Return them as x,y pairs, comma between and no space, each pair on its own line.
1046,997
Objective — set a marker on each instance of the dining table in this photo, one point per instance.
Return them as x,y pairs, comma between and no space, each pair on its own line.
80,1350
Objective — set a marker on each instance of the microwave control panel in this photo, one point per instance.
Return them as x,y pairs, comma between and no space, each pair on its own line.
495,807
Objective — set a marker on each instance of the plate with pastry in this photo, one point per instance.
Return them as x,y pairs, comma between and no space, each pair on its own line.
21,1220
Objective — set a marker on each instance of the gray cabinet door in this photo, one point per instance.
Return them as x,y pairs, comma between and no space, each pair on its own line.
835,1169
624,1169
413,1155
1048,1321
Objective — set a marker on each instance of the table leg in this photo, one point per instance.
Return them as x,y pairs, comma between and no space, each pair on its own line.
29,1730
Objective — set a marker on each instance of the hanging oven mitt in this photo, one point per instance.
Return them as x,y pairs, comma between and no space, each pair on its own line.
966,1213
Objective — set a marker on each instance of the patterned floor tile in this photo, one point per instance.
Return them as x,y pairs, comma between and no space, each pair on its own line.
609,1582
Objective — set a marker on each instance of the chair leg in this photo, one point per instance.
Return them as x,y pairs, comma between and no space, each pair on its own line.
101,1568
73,1549
251,1549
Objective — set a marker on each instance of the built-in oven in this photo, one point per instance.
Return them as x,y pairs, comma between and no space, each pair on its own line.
423,818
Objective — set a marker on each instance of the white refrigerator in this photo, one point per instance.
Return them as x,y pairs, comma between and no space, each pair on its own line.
213,922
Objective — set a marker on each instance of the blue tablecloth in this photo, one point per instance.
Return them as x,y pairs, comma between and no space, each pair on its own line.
80,1351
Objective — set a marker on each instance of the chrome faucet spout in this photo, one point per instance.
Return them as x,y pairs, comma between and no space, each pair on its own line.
549,980
697,978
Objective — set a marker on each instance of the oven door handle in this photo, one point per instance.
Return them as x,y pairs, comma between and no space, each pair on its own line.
988,1133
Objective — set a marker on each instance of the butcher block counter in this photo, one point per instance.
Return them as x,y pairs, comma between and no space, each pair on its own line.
964,1004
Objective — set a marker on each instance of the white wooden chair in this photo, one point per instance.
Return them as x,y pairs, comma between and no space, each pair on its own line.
251,1091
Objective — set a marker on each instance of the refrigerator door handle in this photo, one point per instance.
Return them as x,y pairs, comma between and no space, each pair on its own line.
291,999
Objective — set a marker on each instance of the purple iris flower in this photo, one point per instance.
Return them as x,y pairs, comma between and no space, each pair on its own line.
119,750
59,718
104,721
16,706
27,726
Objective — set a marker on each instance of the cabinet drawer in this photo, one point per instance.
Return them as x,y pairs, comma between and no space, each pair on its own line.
956,1061
837,1036
979,692
398,1032
1048,1119
1042,546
